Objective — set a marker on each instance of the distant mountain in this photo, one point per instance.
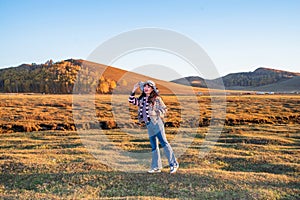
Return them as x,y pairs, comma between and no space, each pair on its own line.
259,77
290,85
78,76
262,79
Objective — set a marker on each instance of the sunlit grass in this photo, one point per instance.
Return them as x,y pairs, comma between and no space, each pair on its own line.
252,159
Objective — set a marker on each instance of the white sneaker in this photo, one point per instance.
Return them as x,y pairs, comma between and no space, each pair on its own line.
155,170
174,169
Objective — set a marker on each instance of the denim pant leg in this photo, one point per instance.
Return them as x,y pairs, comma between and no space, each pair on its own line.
167,147
156,159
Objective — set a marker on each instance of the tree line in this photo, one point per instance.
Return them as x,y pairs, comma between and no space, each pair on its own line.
55,78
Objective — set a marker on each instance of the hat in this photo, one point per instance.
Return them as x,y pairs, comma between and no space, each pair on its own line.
150,83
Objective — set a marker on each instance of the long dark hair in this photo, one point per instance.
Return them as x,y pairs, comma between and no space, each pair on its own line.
151,97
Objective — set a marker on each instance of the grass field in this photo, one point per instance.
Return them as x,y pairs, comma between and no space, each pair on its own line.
42,156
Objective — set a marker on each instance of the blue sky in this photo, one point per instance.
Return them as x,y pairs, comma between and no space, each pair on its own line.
238,35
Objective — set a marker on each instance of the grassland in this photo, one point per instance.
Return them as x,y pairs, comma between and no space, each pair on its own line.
42,156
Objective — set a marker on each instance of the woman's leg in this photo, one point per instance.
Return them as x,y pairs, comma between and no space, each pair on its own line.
156,159
168,150
167,147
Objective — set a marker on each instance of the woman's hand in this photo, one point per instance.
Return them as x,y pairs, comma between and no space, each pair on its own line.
136,86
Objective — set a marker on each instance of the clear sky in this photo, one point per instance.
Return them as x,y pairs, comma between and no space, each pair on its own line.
238,35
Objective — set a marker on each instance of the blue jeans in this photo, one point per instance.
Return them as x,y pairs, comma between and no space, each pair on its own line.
156,133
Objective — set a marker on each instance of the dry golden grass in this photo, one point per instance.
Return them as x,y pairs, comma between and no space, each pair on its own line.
256,156
54,112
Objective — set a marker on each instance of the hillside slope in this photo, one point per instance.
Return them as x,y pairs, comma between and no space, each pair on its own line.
290,85
88,77
262,79
259,77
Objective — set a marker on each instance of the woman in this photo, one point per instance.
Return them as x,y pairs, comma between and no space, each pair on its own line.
151,111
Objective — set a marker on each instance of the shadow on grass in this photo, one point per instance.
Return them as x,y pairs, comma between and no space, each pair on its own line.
119,184
244,165
43,146
247,140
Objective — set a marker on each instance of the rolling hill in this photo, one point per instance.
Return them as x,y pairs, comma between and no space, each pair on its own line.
290,85
87,77
262,79
81,76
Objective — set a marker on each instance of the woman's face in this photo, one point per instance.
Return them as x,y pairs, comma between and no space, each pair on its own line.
147,89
